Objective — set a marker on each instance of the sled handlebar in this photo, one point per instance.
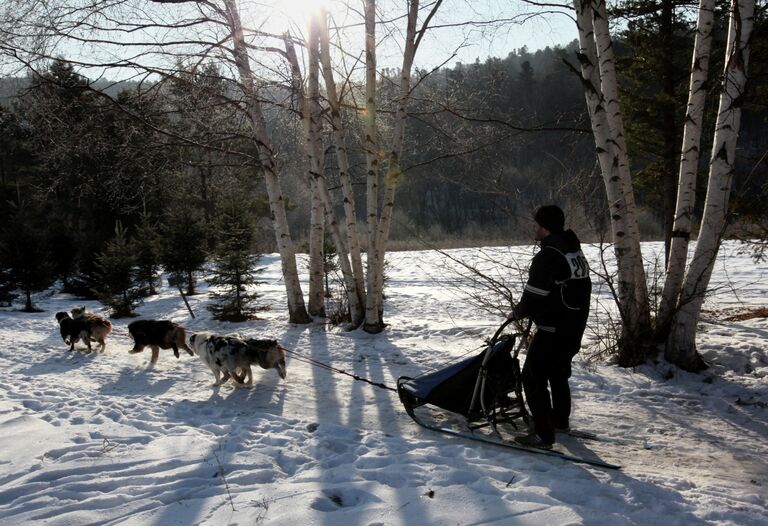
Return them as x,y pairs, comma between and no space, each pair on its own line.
500,329
504,326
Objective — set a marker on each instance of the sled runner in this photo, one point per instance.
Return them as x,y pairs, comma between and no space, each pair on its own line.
486,390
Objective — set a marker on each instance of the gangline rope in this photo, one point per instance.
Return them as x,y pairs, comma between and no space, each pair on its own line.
302,358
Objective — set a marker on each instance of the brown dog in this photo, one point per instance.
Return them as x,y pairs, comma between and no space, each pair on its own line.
158,334
94,325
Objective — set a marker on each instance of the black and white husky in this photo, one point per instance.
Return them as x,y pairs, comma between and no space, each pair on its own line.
231,356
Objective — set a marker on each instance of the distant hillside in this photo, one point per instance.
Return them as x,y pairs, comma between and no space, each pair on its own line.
10,87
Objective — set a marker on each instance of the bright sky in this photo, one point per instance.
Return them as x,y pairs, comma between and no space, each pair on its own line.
452,39
535,32
523,26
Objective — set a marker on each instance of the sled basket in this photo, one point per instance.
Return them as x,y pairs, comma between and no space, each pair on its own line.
486,389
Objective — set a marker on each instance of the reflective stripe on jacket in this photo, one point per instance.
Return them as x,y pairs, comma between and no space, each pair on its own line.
557,293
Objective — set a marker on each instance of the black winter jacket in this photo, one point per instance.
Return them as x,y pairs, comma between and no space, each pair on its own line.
558,290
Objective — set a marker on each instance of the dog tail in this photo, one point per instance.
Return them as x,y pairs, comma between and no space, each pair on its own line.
281,370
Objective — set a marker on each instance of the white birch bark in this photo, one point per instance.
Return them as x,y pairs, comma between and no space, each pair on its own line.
394,170
372,323
378,230
689,166
316,305
681,344
350,212
297,312
609,165
610,90
313,149
313,131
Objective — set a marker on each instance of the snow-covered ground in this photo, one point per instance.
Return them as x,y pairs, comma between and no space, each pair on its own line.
105,439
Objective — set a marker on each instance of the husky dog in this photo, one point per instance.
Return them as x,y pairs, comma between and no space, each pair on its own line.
86,329
229,355
158,334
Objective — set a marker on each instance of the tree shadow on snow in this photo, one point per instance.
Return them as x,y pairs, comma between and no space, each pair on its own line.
339,398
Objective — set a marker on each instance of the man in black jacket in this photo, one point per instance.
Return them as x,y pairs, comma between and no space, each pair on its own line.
556,297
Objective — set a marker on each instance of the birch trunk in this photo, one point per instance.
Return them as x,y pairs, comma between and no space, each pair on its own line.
378,232
681,344
313,131
350,211
689,168
609,85
313,149
353,295
297,312
372,322
614,186
316,305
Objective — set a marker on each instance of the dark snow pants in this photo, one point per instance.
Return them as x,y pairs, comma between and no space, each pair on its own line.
548,364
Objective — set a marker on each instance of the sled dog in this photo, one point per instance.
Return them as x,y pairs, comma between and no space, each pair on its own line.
158,334
86,330
231,356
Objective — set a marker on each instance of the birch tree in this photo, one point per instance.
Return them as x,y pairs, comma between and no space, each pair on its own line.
312,129
682,297
310,117
373,307
366,288
339,140
296,309
689,166
379,235
681,343
600,88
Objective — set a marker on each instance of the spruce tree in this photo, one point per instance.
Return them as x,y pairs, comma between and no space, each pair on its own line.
24,255
116,281
7,294
235,267
183,235
331,266
146,244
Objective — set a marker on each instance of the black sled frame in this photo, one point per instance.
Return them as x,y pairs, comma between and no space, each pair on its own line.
485,389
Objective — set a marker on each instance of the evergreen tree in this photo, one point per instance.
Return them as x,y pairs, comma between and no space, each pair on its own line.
146,244
183,245
235,267
7,294
24,255
116,283
654,58
330,264
63,243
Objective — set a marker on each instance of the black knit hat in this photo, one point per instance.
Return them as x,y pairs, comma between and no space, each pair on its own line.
550,217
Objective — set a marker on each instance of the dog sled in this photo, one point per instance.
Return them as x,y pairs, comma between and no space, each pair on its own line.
486,389
477,394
